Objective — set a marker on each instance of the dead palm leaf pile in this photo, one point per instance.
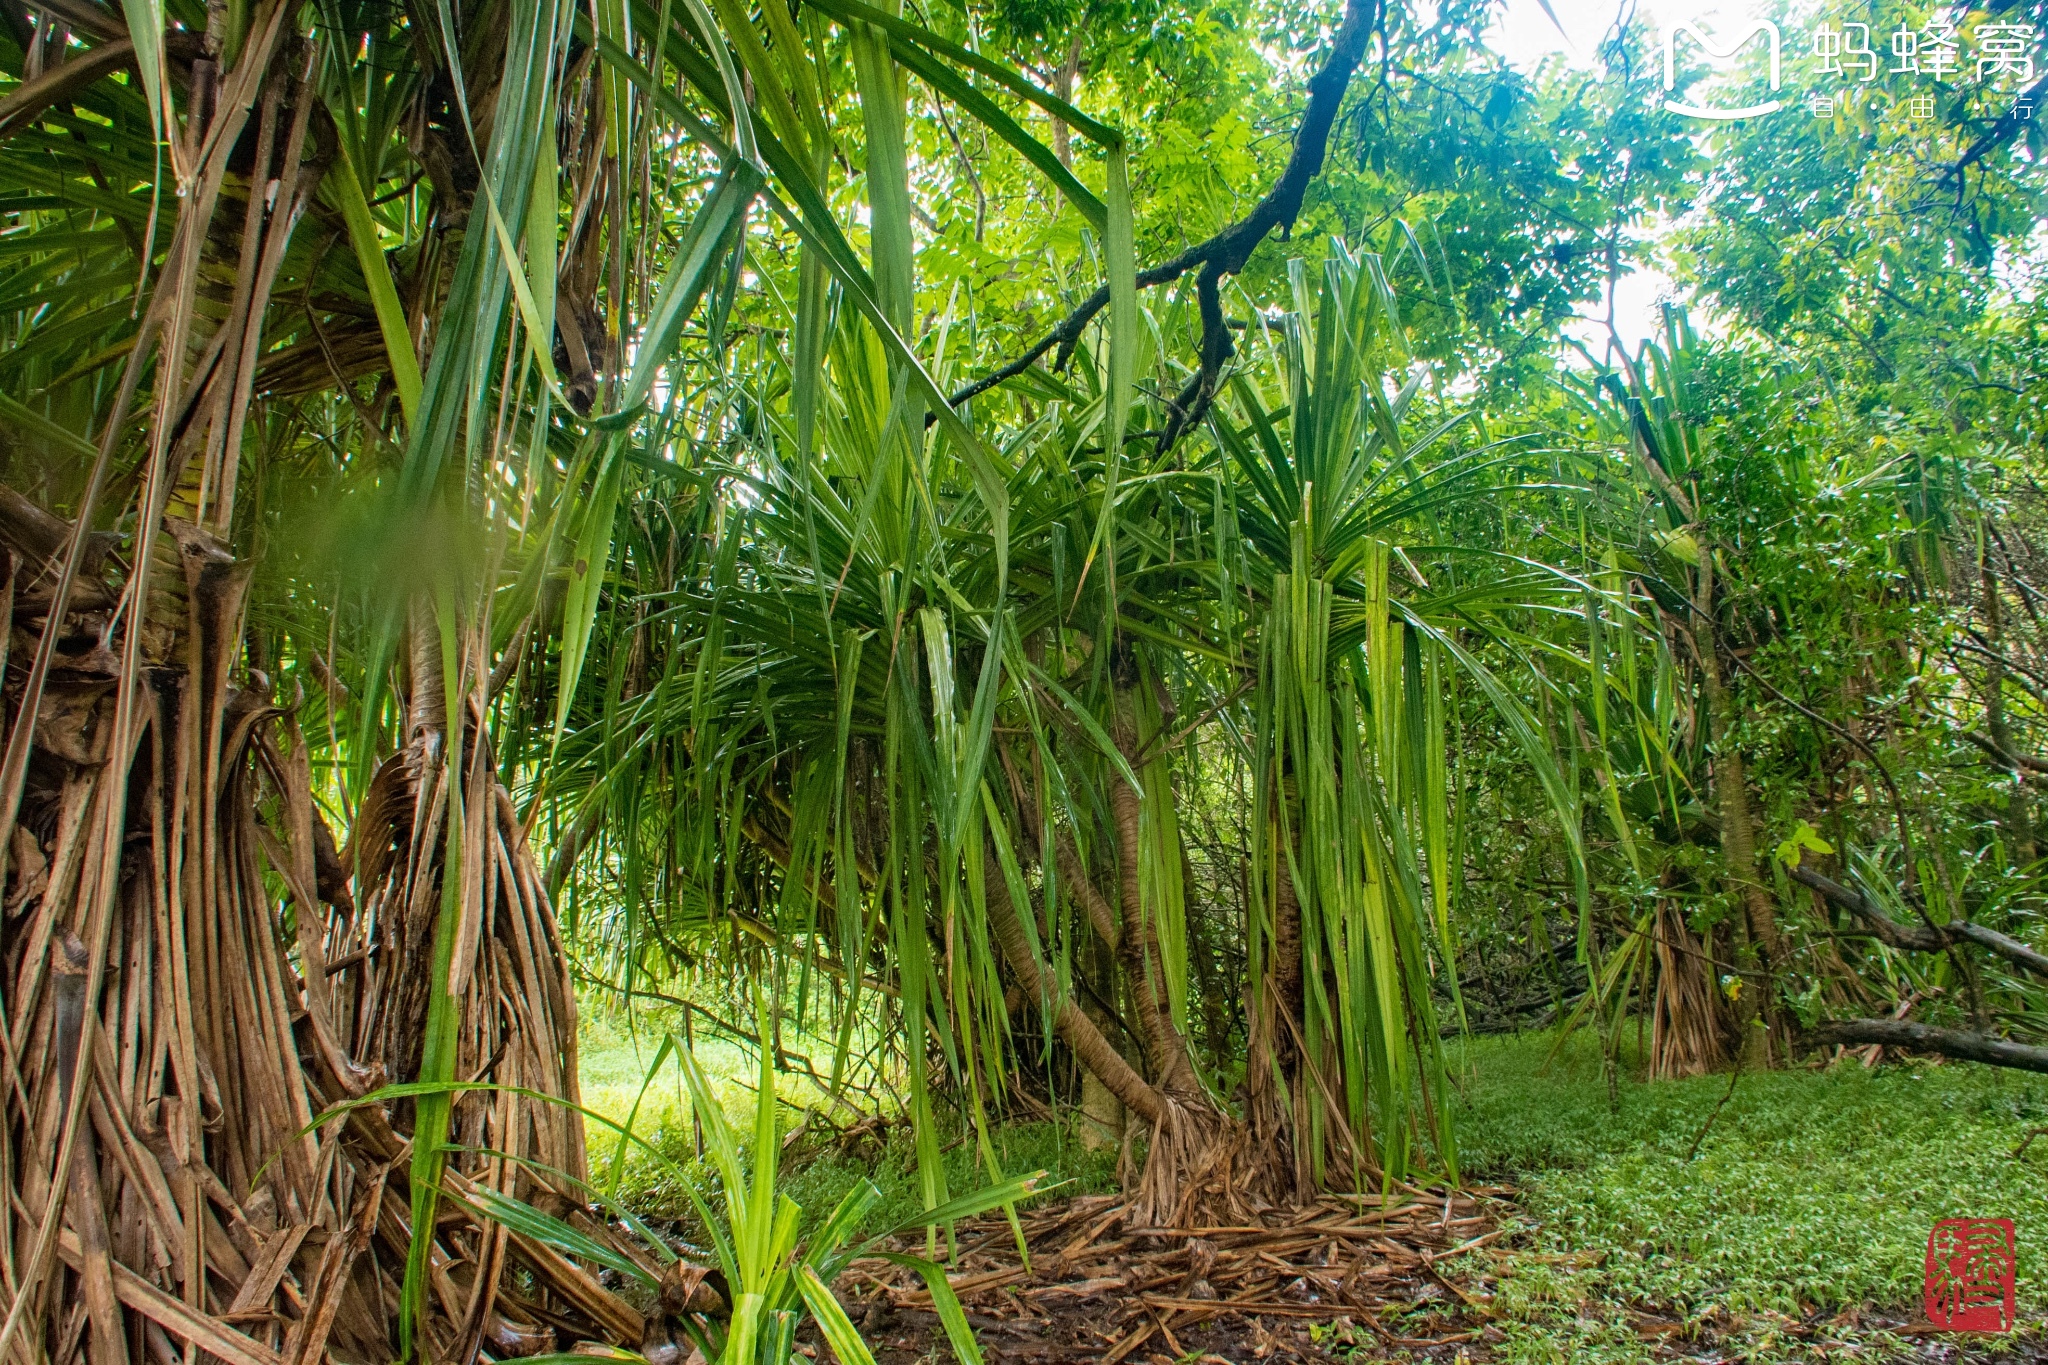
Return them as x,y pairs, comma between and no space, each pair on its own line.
1096,1288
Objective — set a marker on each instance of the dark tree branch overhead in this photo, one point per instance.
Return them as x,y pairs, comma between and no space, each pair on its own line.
2010,124
1227,252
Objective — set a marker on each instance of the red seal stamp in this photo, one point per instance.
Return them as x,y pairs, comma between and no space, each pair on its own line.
1971,1263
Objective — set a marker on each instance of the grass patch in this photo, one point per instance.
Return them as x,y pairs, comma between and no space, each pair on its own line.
616,1054
616,1050
1813,1192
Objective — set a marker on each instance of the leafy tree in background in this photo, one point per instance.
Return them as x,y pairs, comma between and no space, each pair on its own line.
1869,243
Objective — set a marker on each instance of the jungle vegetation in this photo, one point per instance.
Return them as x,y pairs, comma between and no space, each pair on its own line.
1074,547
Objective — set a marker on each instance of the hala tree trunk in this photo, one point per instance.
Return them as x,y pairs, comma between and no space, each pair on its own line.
178,1040
1173,1064
1198,1166
1190,1140
1738,834
1685,1027
1342,1082
1276,1109
1344,1075
176,1028
1195,1150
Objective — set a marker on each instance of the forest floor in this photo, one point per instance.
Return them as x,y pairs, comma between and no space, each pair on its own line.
1795,1232
1798,1231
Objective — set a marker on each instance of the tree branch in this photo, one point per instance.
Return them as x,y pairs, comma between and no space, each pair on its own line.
1921,938
1067,859
1075,874
2002,130
2012,762
1227,252
1075,1028
1949,1042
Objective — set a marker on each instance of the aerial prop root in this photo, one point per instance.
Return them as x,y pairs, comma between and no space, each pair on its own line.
1202,1169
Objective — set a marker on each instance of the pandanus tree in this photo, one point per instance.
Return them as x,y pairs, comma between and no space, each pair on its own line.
904,761
275,270
198,974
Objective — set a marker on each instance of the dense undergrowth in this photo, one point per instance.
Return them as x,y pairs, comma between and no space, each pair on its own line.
1811,1195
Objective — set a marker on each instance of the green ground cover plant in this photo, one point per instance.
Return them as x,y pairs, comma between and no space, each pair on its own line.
1811,1195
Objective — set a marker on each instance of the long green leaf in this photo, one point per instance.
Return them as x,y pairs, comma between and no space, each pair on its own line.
839,1330
348,189
548,1230
945,1303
